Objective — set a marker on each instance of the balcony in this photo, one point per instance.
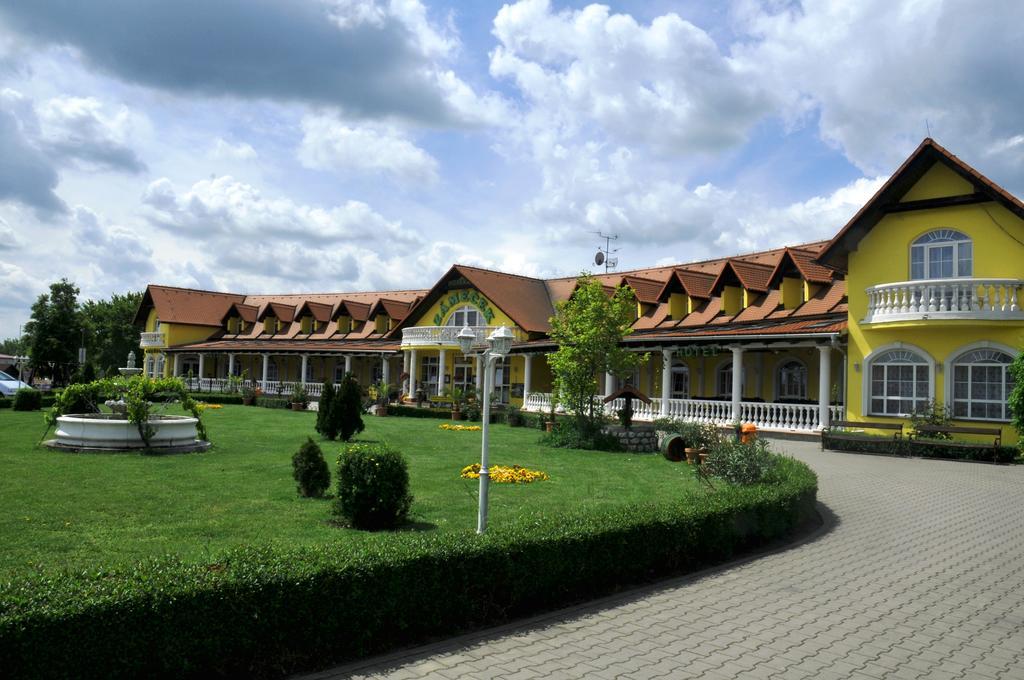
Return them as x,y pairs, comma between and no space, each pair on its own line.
417,336
150,340
936,299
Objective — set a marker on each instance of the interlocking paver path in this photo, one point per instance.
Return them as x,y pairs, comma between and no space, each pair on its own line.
917,573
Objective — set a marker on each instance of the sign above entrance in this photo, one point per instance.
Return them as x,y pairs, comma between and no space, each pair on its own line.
457,298
703,351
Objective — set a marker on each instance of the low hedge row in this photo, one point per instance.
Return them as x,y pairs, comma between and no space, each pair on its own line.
267,612
414,412
216,397
923,448
46,401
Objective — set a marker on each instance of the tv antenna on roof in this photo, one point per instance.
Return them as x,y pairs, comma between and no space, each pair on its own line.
604,255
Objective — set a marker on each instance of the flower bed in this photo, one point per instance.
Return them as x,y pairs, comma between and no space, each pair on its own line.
502,474
458,428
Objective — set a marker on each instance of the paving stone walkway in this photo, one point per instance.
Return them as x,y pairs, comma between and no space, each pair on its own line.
918,572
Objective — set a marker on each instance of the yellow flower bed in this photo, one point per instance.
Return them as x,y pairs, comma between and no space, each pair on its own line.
458,428
501,474
203,406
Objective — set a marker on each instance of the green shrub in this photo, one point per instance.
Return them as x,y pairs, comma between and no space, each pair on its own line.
575,433
273,402
738,463
4,402
268,612
347,410
1016,398
413,412
217,397
323,412
373,487
514,417
310,470
932,413
28,399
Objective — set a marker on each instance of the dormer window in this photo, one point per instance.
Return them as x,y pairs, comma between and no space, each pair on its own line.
382,323
344,323
941,254
270,325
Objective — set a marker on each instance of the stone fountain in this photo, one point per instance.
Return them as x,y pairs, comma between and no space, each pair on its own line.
115,432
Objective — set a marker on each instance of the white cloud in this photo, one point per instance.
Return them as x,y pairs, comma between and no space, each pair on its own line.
224,206
79,128
226,151
8,240
329,144
118,257
665,85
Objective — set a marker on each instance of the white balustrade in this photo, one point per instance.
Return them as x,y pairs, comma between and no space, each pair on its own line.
768,416
447,335
157,339
960,298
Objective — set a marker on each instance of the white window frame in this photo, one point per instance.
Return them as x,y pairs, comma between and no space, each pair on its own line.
425,364
680,370
725,367
783,365
942,238
503,380
463,313
955,358
881,353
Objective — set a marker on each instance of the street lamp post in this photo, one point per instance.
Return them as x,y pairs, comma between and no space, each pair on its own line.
498,345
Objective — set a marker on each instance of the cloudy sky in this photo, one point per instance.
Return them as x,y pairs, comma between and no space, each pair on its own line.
325,145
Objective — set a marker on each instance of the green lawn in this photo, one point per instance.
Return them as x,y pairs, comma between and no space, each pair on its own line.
88,509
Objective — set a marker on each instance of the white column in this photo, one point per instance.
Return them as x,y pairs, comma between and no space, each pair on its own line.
479,375
305,364
385,375
824,383
177,365
202,366
266,370
666,380
609,384
406,386
527,375
231,365
348,363
441,363
737,382
412,372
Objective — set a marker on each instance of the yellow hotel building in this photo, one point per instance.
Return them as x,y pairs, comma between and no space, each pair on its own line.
914,300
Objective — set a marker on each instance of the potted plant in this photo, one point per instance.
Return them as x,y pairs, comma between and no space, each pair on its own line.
549,425
690,433
381,394
458,397
707,435
248,393
300,397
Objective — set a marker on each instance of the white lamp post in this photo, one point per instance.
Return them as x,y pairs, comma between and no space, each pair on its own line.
498,345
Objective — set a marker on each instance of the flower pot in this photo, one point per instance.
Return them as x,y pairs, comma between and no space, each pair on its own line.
703,456
548,426
456,414
691,456
298,406
382,410
248,401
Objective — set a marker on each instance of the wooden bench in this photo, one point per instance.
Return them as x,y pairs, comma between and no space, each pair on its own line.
836,431
994,432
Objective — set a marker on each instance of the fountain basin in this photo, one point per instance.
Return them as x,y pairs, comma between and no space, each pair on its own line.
114,432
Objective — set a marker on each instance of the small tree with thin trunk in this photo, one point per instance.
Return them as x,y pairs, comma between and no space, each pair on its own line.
589,328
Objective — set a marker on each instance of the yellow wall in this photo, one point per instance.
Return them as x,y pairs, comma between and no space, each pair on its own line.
731,300
939,181
792,292
883,256
465,297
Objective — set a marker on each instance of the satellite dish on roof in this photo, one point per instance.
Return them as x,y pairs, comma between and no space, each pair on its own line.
599,258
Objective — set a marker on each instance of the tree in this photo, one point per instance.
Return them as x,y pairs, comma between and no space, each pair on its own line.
55,332
1016,399
589,328
323,412
348,408
110,330
14,346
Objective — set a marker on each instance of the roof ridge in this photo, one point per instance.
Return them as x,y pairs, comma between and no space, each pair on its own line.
497,271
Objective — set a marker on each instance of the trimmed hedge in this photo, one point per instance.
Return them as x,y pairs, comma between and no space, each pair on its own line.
413,412
924,448
216,397
47,401
270,611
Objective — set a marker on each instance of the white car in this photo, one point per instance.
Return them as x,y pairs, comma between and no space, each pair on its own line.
9,385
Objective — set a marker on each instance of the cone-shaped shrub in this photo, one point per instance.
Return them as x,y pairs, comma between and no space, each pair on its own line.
323,413
348,408
373,487
310,470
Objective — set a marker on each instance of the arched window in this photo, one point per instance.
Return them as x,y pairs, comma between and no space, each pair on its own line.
466,315
982,384
792,380
900,382
941,254
680,382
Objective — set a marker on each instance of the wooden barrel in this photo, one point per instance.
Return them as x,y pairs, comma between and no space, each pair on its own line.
673,447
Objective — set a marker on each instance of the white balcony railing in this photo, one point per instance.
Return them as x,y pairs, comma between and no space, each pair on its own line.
446,335
157,339
270,388
962,298
800,417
